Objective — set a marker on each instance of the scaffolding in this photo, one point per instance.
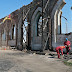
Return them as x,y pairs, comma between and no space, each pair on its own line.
43,42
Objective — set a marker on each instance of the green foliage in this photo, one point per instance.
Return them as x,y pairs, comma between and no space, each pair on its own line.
67,63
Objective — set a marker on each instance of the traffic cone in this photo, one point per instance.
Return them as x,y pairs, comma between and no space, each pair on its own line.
5,48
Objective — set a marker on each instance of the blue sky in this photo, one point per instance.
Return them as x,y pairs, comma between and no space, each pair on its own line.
67,12
8,6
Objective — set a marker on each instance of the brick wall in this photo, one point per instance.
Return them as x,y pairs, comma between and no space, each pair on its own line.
61,39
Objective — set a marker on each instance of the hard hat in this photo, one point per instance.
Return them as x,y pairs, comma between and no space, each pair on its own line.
66,38
62,46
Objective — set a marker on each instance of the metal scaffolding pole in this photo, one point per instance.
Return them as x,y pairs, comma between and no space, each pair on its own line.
42,24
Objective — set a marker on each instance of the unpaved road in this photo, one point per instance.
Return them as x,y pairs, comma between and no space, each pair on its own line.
17,61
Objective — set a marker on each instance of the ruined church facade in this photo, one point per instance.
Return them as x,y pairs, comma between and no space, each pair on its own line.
40,21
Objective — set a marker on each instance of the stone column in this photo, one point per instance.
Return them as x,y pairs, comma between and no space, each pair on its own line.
49,25
16,34
57,7
19,44
29,35
54,23
59,22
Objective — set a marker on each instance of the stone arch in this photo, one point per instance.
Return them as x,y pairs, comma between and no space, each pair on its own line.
13,27
55,17
34,20
35,17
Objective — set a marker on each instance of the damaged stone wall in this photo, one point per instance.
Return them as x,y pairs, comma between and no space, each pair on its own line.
6,31
32,12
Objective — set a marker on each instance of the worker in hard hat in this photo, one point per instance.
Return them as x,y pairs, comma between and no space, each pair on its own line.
58,49
67,44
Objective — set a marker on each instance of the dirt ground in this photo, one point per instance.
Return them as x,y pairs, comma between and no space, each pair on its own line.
17,61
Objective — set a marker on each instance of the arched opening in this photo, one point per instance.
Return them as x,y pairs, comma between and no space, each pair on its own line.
36,30
25,30
10,34
13,32
25,33
39,26
56,23
61,23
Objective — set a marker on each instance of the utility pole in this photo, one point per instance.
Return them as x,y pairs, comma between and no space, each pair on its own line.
65,23
66,27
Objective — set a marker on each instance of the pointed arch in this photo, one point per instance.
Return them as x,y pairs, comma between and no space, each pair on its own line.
34,35
55,17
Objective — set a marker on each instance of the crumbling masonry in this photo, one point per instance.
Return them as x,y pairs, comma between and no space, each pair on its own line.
46,35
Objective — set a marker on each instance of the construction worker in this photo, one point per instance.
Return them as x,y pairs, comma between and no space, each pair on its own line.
67,44
58,49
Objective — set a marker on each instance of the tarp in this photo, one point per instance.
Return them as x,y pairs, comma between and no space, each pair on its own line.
6,18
